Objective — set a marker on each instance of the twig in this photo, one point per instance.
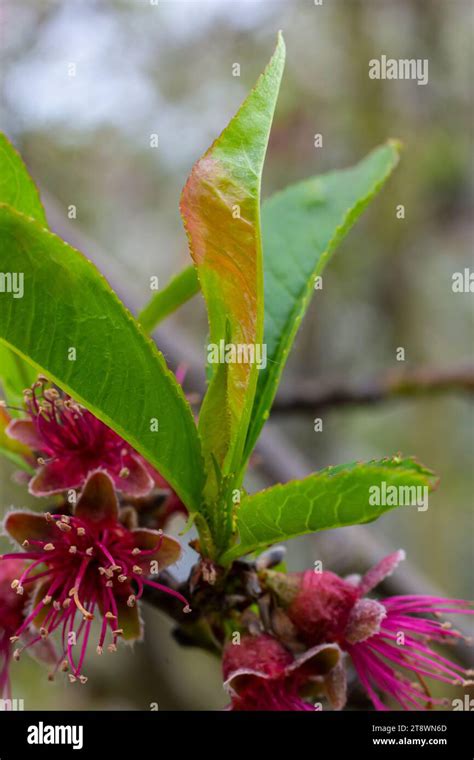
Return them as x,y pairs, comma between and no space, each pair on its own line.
307,395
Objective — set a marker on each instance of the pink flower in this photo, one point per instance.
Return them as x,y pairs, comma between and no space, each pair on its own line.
84,565
261,674
387,640
72,443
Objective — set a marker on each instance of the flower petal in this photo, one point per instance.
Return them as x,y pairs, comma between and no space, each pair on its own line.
55,477
98,502
167,549
254,657
335,686
22,525
138,481
317,661
380,571
26,433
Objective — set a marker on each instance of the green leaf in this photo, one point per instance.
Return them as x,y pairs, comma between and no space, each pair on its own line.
118,373
220,209
302,226
21,455
18,190
16,374
332,498
180,289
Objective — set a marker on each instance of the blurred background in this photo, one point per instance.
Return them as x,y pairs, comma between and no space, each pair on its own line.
166,69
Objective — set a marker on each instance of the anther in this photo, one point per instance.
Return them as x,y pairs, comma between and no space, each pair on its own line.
51,394
90,551
25,544
72,549
49,547
47,599
110,615
83,679
124,472
81,531
111,648
122,578
16,654
135,551
131,600
72,678
99,650
187,609
137,570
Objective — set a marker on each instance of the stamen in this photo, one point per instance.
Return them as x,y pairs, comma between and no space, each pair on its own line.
87,615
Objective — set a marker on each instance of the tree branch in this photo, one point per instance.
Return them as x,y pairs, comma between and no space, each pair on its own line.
390,385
